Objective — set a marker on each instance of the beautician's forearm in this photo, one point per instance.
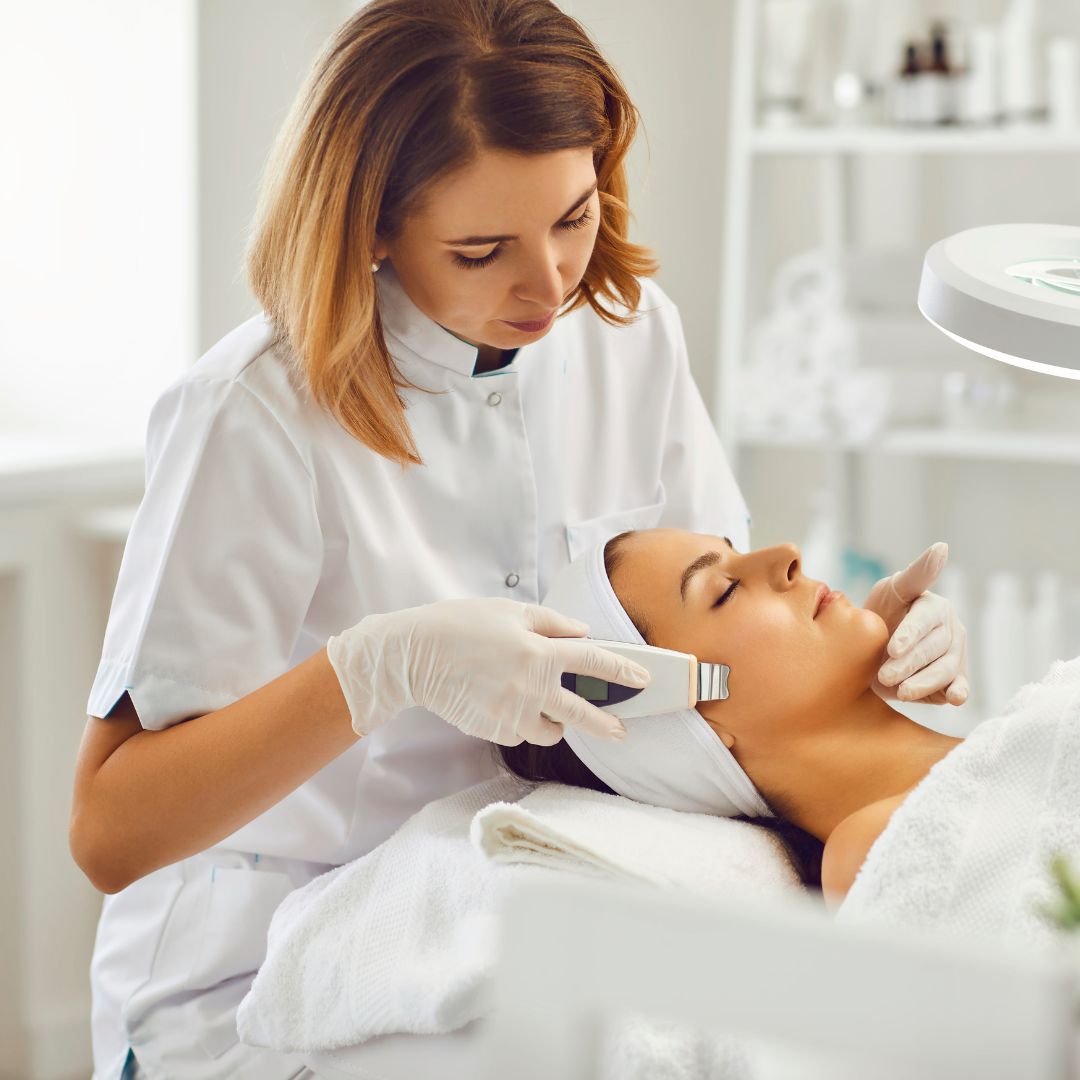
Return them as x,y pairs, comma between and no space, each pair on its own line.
164,795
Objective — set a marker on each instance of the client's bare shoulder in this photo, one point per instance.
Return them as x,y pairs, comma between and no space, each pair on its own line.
850,842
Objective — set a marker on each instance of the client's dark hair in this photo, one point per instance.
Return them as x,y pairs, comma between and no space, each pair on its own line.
560,764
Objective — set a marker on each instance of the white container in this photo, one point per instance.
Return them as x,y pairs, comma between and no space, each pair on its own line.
904,99
787,32
978,97
1022,88
922,98
1002,657
934,97
1063,83
1046,626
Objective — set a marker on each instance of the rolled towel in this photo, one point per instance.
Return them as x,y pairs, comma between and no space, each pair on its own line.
591,832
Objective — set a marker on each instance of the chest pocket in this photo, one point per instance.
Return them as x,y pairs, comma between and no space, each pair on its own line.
588,534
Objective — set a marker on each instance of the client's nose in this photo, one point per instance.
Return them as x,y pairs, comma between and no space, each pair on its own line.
784,566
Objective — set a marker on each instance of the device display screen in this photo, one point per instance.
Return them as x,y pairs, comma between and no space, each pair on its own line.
596,691
592,689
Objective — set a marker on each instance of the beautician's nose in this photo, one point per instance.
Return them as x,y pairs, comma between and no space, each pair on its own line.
543,283
785,566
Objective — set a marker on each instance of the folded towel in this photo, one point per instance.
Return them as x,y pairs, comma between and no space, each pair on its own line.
399,940
590,832
403,939
969,849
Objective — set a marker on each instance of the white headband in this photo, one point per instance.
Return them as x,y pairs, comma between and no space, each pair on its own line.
674,760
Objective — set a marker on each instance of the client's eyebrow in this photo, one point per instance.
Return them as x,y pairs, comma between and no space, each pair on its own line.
477,241
702,562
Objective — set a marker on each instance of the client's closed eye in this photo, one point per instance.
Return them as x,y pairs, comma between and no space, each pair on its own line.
727,595
734,585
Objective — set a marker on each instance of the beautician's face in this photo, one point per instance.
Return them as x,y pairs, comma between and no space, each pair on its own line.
785,662
546,207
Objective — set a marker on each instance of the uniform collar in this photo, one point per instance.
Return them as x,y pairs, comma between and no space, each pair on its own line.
410,327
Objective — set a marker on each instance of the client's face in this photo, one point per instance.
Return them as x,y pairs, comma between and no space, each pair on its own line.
758,614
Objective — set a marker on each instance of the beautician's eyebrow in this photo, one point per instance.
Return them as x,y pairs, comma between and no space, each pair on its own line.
702,562
476,241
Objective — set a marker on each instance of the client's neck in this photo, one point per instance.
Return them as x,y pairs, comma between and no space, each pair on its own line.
868,753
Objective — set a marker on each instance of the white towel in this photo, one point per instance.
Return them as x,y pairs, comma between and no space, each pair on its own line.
399,940
969,849
403,939
589,832
602,835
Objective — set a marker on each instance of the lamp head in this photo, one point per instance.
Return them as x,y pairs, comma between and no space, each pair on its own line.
1009,291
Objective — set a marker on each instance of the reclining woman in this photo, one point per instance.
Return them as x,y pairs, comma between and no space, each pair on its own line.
943,833
802,743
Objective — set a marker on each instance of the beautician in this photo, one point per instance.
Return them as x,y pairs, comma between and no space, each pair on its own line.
326,611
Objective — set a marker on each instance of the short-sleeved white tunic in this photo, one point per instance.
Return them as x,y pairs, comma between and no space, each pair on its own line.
265,528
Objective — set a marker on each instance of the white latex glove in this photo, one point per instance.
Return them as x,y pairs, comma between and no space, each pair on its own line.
928,644
489,666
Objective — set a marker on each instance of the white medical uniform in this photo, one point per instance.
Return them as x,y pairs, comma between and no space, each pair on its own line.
265,528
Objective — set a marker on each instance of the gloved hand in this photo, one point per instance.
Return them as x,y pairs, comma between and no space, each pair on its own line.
928,643
489,666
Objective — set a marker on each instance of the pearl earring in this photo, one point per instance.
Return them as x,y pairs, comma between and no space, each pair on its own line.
375,267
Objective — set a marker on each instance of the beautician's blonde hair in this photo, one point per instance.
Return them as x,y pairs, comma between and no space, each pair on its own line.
405,92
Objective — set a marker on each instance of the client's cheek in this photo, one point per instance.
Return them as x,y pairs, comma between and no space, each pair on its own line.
864,646
869,631
775,683
876,626
821,670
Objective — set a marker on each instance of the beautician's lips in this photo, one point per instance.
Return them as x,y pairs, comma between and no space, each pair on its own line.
532,327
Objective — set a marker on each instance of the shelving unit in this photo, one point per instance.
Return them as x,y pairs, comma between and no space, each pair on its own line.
880,140
834,148
932,442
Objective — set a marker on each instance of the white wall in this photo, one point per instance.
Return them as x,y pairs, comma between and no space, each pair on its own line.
97,270
97,260
253,55
674,59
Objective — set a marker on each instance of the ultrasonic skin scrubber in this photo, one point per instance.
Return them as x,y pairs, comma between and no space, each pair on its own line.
679,681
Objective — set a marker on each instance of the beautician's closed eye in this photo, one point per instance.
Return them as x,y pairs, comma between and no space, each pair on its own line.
579,222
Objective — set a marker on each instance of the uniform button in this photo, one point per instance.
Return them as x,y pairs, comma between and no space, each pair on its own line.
493,399
512,580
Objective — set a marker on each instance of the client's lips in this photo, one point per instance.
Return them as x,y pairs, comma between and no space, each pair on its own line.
819,600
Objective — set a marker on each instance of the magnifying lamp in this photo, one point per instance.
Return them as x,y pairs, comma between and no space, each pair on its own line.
1009,291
